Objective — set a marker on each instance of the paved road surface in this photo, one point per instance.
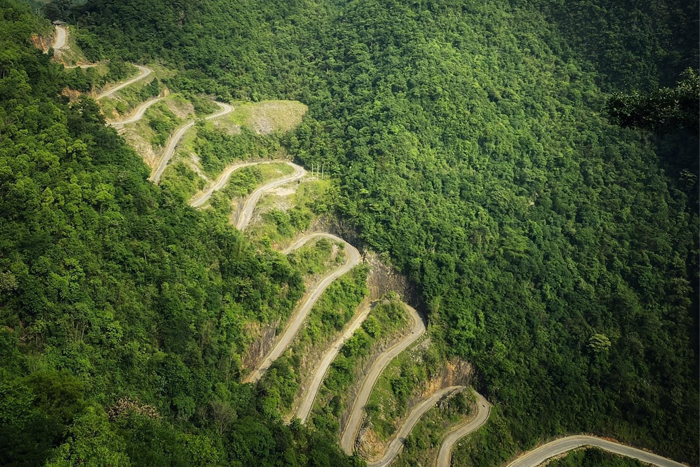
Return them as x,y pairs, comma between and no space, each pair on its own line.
247,213
328,357
357,410
483,408
143,72
173,142
300,315
396,444
59,39
203,196
138,114
562,445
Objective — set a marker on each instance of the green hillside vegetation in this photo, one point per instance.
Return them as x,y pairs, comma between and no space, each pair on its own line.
386,321
476,143
121,309
334,309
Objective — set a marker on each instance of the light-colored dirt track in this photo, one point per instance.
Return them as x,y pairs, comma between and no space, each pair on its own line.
175,140
538,456
60,38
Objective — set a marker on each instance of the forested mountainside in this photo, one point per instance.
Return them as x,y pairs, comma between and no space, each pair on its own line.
120,306
555,251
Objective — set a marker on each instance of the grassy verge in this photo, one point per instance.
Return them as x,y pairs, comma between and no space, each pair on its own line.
386,322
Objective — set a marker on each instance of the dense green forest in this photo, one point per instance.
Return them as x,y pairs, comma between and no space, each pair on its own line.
555,250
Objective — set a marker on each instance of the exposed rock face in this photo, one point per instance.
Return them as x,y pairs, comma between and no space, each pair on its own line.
263,342
42,43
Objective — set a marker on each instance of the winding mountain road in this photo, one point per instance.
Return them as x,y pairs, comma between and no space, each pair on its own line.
247,212
396,444
300,315
175,140
562,445
143,72
530,459
483,410
310,396
138,114
199,199
357,411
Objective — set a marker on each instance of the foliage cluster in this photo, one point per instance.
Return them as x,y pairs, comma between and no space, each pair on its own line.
162,121
216,149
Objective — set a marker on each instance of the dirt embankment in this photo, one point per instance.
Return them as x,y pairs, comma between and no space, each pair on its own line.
41,42
384,279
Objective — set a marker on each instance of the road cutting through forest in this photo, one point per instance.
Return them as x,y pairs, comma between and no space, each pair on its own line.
560,446
532,458
199,199
175,140
293,327
138,114
308,302
246,214
357,411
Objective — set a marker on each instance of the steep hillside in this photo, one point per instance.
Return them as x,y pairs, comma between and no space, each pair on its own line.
465,140
122,310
